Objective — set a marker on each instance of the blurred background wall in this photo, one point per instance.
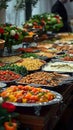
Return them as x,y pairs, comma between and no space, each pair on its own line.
42,6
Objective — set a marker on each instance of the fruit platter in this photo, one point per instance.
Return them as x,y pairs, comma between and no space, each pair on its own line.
30,96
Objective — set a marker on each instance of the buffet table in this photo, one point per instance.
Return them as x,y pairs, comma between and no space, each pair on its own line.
47,116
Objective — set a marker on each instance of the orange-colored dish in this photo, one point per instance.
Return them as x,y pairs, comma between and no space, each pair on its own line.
27,94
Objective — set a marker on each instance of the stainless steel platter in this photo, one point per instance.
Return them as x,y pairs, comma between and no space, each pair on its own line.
60,67
13,80
50,84
58,98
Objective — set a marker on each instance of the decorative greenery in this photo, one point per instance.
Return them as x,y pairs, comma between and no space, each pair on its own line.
12,34
3,3
46,21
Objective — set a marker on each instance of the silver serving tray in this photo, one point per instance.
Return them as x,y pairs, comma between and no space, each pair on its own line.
64,80
52,69
57,99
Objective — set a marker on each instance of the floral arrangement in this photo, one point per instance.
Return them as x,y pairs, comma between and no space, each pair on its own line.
12,34
47,22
